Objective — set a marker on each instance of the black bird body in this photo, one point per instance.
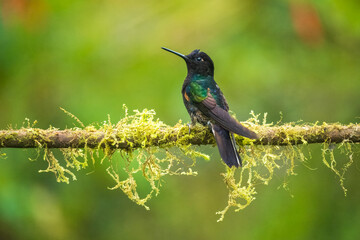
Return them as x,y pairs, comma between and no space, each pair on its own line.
206,104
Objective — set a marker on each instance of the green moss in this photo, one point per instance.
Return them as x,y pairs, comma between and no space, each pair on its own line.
261,161
153,162
328,158
139,131
55,167
153,150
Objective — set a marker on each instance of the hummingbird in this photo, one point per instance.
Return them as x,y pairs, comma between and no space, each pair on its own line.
206,105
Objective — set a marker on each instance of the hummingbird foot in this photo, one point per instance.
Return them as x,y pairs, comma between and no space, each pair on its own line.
209,125
189,126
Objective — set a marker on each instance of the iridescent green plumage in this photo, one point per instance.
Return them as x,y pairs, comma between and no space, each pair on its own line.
196,92
206,104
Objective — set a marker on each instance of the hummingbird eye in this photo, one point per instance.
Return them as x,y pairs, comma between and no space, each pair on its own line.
199,59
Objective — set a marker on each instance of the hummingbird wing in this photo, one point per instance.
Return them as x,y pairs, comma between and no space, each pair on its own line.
211,109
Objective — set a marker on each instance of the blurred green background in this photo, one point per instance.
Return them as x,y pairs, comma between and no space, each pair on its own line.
300,58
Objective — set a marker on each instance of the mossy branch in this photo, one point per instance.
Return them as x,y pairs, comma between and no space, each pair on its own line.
139,143
287,134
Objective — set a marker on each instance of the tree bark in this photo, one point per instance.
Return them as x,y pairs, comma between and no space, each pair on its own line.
168,136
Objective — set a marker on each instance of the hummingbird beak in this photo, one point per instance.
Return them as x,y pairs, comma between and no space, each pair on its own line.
176,53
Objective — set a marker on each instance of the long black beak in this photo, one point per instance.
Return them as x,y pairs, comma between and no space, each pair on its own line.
176,53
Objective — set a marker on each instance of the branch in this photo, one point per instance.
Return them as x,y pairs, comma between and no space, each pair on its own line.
141,130
167,136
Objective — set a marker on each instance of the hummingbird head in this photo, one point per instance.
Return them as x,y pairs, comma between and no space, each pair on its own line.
197,62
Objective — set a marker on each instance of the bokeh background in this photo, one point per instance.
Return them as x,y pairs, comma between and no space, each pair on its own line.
300,58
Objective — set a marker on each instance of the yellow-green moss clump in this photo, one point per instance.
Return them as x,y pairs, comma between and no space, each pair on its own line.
139,132
150,153
260,162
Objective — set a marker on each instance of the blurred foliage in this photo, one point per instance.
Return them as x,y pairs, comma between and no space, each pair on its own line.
90,57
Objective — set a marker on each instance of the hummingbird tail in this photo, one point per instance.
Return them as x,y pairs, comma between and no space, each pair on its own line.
226,145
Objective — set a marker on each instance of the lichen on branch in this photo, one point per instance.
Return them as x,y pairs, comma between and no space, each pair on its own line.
140,147
131,136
